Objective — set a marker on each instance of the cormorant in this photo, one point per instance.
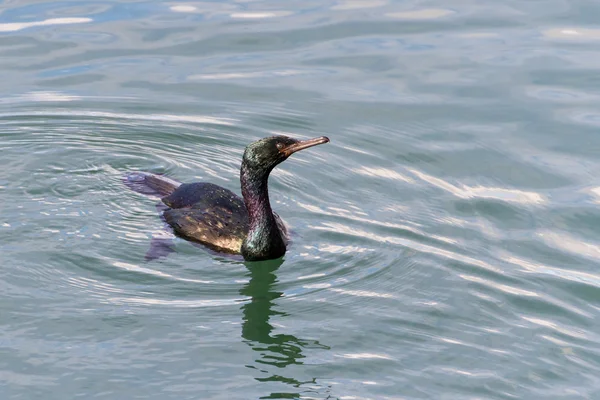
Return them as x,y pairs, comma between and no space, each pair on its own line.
218,218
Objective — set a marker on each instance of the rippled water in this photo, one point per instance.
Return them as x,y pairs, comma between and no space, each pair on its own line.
446,242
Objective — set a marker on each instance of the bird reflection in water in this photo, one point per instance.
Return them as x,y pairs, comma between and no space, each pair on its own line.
276,350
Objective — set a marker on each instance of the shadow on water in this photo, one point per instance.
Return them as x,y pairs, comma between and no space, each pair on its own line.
275,350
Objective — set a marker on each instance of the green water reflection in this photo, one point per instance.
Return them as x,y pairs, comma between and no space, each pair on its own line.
275,351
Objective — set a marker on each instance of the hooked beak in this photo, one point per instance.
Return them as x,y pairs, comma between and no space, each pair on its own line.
304,144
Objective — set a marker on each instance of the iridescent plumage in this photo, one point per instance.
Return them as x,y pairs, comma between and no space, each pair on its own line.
217,217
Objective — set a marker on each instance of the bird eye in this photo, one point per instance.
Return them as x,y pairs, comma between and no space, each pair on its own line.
279,146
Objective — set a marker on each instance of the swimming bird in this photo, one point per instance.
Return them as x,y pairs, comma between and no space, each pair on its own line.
218,218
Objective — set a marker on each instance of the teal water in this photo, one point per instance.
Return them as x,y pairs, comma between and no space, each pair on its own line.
446,242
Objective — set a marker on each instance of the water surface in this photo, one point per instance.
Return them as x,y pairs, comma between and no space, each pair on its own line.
446,242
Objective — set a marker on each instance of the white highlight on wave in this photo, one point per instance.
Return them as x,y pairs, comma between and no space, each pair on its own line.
247,75
503,288
576,333
380,172
55,96
570,244
358,4
258,15
176,303
430,13
49,96
470,192
561,273
365,356
357,218
17,26
183,8
572,33
408,243
148,271
154,117
226,10
363,293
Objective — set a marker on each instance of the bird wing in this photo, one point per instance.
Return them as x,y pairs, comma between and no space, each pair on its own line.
208,214
203,195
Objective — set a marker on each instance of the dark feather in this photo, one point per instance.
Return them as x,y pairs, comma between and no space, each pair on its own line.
220,231
150,184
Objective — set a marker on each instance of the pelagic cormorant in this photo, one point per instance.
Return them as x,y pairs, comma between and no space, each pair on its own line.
218,218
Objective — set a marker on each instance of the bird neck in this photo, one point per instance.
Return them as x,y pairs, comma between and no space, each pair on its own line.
264,239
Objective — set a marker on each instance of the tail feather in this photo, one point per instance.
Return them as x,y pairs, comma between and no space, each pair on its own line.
150,184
